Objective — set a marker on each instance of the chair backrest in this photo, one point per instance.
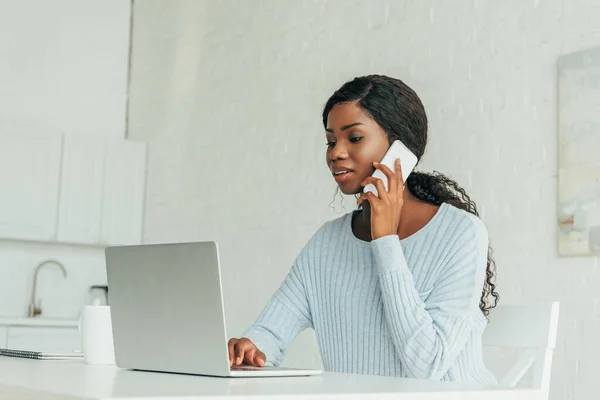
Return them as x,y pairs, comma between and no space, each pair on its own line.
531,327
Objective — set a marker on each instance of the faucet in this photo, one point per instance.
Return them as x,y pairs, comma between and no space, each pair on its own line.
37,309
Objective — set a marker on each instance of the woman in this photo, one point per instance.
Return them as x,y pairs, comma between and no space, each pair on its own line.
402,286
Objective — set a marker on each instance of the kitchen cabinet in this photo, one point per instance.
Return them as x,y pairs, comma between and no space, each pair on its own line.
123,193
48,339
80,203
72,189
40,334
29,180
102,191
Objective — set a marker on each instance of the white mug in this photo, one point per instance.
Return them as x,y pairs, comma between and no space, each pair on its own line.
95,329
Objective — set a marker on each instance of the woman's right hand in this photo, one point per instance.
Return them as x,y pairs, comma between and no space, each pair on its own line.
243,351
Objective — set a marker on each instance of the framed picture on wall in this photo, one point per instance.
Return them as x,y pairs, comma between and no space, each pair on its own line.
579,153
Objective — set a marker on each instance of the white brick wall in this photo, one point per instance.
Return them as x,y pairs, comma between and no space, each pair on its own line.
228,94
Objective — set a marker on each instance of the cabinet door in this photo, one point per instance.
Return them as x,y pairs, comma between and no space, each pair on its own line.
80,200
124,193
29,178
47,339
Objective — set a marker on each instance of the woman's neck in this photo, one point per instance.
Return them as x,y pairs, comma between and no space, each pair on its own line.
415,214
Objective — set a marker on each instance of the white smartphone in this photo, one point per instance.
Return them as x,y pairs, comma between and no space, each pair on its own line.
407,163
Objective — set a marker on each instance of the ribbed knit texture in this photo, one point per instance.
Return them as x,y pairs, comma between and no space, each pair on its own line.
407,308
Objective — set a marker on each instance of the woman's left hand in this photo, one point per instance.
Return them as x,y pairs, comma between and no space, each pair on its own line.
386,207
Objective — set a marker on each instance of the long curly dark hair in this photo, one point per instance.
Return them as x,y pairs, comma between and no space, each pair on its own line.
401,114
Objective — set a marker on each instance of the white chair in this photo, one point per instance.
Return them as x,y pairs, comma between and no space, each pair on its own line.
529,327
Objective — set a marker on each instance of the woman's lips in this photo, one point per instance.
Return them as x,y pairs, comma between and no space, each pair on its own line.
343,176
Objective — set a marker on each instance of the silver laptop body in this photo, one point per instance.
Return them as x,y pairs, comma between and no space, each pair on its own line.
167,311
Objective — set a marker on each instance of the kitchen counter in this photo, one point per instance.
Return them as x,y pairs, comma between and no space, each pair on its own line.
39,321
22,379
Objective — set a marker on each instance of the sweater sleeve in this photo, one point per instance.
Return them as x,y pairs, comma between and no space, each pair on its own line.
428,335
286,315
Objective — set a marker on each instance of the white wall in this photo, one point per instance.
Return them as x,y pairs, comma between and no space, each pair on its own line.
64,64
63,67
228,94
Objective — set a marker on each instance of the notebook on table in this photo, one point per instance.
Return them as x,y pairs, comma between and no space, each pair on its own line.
38,355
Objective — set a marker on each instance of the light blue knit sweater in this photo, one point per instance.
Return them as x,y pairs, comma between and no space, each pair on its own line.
406,308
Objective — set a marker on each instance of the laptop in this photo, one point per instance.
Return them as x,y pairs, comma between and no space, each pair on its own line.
167,311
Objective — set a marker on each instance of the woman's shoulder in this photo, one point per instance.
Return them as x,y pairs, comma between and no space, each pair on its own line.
463,224
333,227
322,239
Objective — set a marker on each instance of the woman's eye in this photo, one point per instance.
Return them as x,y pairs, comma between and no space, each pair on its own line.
355,139
330,144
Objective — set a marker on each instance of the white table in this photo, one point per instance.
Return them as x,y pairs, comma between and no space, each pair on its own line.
22,379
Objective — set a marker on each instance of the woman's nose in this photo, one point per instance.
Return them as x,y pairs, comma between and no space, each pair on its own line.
339,152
